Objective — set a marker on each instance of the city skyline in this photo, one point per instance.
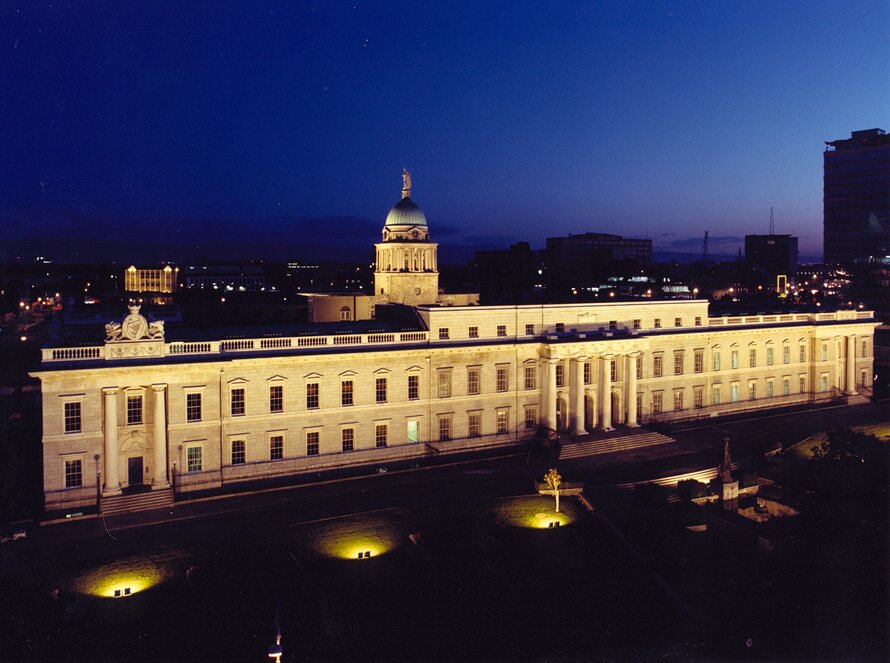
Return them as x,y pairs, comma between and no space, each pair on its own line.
174,125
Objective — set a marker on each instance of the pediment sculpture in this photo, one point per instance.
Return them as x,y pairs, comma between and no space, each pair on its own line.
134,328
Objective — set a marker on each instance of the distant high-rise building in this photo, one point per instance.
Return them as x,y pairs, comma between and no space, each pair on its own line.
773,255
588,259
856,214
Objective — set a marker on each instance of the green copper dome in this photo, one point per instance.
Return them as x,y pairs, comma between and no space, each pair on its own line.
405,213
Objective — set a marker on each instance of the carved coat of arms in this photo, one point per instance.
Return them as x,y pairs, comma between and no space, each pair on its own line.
134,327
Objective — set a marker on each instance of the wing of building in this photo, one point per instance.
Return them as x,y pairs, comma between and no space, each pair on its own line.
147,416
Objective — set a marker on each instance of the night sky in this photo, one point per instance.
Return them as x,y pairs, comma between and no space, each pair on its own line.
190,122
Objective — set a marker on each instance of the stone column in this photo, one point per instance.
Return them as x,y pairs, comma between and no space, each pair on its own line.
851,365
606,392
631,390
112,478
578,396
159,438
550,394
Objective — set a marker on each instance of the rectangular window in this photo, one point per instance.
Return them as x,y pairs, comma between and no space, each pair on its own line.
752,391
786,354
657,402
863,378
502,381
588,377
312,443
413,432
529,330
347,393
560,375
715,395
698,396
769,388
502,330
802,384
347,439
678,363
444,429
276,447
238,452
531,418
734,393
637,323
444,383
639,363
443,333
699,358
237,402
473,380
657,366
312,396
381,435
473,332
786,386
413,387
752,358
502,421
864,349
276,398
560,327
193,407
134,410
657,323
678,399
698,321
823,383
825,352
716,360
613,325
734,359
678,322
613,370
530,375
72,417
802,353
474,424
194,459
769,356
380,390
74,473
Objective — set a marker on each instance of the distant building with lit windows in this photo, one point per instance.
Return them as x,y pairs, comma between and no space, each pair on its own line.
161,280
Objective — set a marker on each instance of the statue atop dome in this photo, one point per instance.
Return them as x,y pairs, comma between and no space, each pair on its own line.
406,183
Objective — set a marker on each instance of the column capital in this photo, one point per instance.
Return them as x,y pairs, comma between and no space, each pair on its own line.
110,391
158,387
580,358
635,353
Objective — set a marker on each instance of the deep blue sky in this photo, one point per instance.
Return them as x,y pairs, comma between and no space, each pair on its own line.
519,120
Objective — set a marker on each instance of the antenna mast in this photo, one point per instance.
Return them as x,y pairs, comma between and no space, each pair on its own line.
772,222
704,248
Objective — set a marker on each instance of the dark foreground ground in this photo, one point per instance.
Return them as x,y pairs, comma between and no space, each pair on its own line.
478,585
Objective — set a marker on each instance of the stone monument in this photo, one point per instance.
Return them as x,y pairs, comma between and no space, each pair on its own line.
730,488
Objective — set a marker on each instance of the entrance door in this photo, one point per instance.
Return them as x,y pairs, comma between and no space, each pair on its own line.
134,471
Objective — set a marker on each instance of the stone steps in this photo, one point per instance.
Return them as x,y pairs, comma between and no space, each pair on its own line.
153,499
612,445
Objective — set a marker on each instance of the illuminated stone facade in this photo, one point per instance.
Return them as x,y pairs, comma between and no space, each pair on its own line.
216,413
